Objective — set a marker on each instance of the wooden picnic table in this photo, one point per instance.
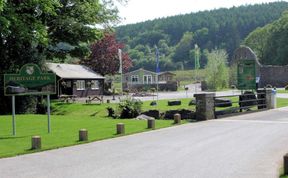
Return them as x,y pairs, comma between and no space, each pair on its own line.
94,98
67,98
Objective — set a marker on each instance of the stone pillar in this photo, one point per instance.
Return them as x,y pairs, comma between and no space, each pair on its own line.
205,106
120,128
177,119
36,142
269,98
151,123
83,135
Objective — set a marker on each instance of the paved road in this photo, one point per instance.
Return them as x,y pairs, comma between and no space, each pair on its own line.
247,146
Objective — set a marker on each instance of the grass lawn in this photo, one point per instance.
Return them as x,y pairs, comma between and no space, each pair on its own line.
282,91
66,121
282,102
162,105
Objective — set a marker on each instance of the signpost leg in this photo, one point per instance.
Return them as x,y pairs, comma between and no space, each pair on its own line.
13,115
48,112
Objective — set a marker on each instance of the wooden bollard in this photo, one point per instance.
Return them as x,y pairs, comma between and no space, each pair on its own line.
286,164
151,123
120,127
36,142
177,119
83,135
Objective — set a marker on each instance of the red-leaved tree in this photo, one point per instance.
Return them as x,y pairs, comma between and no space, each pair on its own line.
104,58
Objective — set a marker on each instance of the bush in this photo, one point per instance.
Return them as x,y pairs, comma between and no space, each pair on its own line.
41,107
130,108
111,112
286,87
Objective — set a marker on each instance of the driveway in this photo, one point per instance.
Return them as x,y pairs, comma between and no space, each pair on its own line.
246,146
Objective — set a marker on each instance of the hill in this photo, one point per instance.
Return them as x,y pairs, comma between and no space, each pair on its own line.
176,36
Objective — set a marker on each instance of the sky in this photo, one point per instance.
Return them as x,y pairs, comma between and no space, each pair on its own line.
142,10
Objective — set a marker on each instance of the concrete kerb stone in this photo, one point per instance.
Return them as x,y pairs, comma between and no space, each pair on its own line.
120,128
83,135
151,123
36,142
177,119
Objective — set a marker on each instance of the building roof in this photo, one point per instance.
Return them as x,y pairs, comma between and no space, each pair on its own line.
167,72
73,71
161,73
139,70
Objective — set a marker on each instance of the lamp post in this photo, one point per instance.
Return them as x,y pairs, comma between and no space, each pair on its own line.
121,68
196,64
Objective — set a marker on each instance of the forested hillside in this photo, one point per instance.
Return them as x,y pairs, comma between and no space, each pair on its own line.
271,42
176,36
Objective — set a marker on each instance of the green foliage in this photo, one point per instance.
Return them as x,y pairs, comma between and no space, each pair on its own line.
33,31
221,29
130,108
270,42
74,25
216,70
257,40
233,76
183,47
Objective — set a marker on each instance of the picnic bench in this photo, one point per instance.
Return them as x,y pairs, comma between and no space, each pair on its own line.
94,98
67,98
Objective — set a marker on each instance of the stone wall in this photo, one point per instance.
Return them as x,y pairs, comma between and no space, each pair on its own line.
276,76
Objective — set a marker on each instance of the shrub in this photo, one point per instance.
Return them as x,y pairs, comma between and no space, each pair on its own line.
111,112
130,108
286,87
41,107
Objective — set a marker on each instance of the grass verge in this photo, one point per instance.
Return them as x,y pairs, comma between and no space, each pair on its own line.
66,121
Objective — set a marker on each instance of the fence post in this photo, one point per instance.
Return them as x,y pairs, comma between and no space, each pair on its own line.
205,106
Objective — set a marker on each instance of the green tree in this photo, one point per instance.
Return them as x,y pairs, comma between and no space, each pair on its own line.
183,47
31,30
258,39
270,42
74,26
216,70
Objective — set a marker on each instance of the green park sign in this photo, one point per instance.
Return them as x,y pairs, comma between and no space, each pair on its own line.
246,75
30,81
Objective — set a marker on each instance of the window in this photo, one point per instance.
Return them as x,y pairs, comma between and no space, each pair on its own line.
134,79
80,84
94,84
147,79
